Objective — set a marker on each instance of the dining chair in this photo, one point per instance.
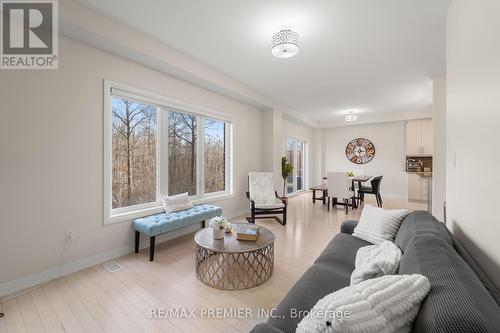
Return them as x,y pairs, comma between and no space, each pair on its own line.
374,189
357,173
339,187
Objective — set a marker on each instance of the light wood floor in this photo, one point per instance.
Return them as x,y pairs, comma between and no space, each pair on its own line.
94,300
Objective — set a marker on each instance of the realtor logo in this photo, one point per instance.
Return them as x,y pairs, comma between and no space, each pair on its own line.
29,34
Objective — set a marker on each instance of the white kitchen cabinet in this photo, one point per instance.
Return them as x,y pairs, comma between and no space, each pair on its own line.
414,187
427,136
418,187
419,139
424,186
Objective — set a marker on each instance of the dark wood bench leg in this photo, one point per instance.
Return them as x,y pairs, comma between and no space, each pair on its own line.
137,236
152,248
203,224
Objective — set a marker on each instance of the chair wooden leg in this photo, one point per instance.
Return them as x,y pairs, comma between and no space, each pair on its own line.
328,205
284,215
152,248
137,237
253,217
346,203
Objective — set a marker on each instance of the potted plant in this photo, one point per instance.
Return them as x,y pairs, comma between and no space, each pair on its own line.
286,171
219,225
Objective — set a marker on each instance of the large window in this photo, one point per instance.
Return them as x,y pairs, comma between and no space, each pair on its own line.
155,146
182,143
134,129
215,155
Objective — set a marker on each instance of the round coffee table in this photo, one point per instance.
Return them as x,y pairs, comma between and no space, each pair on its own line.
230,264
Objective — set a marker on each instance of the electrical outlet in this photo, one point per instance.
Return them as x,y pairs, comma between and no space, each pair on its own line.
70,234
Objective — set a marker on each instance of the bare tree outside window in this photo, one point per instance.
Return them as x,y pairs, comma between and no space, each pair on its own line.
134,137
182,140
215,156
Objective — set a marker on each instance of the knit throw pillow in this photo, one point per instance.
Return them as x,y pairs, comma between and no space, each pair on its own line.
376,260
177,202
377,224
387,304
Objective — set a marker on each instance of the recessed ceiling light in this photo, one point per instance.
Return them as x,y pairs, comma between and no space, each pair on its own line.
351,116
285,44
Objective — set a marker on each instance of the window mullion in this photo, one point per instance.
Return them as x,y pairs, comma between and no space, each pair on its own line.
200,157
227,157
163,151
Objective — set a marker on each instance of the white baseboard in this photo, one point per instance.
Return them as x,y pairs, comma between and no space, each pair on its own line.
29,281
14,286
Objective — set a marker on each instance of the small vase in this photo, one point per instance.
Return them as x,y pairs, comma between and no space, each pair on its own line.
218,233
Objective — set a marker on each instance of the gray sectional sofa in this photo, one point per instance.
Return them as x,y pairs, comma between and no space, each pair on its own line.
462,299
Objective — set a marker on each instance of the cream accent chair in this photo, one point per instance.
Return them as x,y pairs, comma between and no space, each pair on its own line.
339,187
264,200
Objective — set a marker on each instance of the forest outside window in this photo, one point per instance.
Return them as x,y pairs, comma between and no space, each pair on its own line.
154,147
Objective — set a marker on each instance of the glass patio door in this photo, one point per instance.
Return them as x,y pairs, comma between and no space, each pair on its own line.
295,154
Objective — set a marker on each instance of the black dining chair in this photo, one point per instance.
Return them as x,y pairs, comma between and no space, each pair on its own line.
375,190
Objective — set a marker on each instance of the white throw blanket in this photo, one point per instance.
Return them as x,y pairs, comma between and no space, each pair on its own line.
387,304
376,260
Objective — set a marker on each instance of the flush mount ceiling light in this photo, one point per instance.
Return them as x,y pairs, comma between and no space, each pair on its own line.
351,116
285,44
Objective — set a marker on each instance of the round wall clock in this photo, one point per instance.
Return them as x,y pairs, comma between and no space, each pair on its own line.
360,151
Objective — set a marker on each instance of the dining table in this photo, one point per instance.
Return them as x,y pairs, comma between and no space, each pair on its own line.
357,179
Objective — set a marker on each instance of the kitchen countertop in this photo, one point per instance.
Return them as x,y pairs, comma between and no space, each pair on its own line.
427,174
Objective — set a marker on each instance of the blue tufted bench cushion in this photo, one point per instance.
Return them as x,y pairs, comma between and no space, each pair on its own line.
166,222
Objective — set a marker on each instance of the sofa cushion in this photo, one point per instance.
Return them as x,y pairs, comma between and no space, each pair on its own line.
347,227
330,272
458,301
341,251
423,224
265,328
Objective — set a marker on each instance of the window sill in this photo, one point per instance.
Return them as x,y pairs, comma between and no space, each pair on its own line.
128,216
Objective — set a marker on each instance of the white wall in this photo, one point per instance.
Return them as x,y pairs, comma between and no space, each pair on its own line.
51,148
317,164
439,148
390,144
473,118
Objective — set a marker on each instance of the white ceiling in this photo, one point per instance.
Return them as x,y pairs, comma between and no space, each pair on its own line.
376,57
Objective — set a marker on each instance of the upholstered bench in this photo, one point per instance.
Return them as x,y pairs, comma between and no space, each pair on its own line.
162,223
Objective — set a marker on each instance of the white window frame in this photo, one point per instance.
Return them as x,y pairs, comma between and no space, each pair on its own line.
163,105
305,166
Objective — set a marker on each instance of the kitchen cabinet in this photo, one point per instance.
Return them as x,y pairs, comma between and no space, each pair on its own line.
418,187
427,136
419,137
414,187
424,185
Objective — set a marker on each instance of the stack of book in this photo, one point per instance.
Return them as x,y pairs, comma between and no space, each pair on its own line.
249,233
